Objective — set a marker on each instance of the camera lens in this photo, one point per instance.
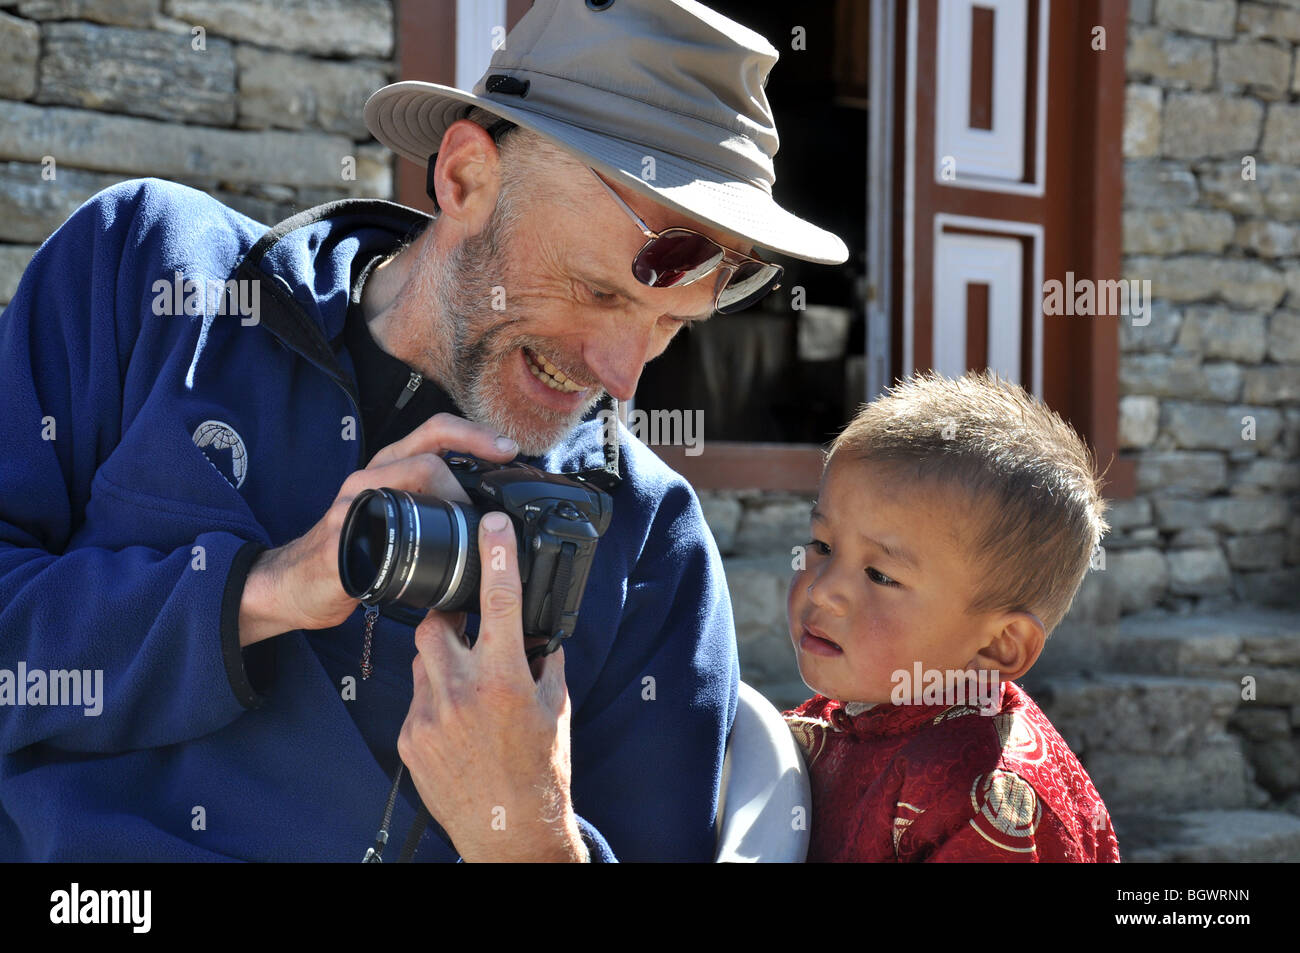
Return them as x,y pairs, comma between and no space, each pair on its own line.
419,551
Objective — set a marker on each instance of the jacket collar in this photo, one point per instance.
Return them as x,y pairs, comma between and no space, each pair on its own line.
886,719
305,270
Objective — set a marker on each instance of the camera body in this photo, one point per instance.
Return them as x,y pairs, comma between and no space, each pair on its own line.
408,553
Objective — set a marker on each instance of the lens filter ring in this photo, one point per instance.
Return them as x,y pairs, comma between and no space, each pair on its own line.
350,538
462,548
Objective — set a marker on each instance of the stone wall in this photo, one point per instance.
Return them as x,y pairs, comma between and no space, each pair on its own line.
1210,387
257,102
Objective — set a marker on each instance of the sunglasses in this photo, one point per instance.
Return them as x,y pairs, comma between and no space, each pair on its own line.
677,257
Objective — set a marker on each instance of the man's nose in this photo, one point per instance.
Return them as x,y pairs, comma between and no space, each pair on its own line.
617,352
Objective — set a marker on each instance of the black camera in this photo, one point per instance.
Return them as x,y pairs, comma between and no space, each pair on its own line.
420,552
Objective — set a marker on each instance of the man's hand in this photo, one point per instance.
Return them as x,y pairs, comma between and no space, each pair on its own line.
297,586
486,745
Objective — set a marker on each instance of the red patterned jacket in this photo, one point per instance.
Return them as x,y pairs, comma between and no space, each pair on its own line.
932,783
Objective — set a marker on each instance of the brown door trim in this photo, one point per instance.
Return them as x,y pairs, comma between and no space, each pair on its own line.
728,465
1080,210
426,51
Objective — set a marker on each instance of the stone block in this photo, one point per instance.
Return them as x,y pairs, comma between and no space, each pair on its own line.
1158,334
1266,20
20,48
141,13
1264,474
1141,577
1174,514
1258,551
1284,336
1264,67
1216,332
1139,421
91,140
1202,645
1133,539
1272,384
1172,231
1194,537
1209,125
1196,426
141,72
1158,185
1216,18
1282,133
771,528
1178,376
1141,137
1125,515
1213,775
1274,191
1168,59
32,207
1279,588
1261,724
1139,714
1277,764
1268,239
758,589
1095,602
1198,572
1242,283
298,92
1074,646
322,27
722,513
1179,471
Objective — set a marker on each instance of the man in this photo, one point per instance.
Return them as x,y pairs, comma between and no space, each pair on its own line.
167,469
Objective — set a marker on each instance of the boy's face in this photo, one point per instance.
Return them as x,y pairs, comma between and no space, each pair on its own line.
886,584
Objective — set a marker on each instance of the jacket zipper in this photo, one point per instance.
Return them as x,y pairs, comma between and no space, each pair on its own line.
409,390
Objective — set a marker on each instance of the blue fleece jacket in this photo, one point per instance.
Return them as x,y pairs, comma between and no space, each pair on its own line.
124,547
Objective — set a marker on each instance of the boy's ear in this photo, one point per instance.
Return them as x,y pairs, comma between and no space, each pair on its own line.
1016,646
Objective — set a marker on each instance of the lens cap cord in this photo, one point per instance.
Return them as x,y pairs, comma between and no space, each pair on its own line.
372,614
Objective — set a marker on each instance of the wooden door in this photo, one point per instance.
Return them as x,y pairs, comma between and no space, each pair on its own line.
1007,129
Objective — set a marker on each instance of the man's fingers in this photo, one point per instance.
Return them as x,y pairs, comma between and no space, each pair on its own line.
501,631
551,688
426,474
443,432
436,641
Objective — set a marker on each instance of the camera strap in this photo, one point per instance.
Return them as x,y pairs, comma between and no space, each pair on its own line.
605,478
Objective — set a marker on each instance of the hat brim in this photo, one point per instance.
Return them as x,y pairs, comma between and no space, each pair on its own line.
410,118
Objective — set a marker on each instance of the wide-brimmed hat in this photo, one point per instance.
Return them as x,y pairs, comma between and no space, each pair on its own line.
665,97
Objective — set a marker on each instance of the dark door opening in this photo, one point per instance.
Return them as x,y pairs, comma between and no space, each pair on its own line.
780,372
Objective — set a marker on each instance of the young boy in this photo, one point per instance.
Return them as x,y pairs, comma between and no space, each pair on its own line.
954,523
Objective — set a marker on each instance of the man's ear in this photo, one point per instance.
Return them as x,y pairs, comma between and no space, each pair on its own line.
1017,642
467,176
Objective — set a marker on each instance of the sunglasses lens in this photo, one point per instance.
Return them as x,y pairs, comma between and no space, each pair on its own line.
751,282
676,257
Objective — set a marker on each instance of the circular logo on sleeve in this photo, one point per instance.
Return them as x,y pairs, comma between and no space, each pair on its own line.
224,449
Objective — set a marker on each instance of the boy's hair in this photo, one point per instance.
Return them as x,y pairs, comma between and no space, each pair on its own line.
1037,506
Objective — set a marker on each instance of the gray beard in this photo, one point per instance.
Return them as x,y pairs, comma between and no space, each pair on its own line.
477,341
